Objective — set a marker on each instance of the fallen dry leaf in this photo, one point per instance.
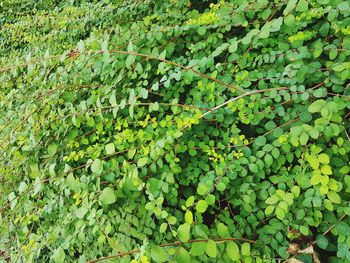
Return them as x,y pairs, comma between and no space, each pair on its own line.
293,248
308,250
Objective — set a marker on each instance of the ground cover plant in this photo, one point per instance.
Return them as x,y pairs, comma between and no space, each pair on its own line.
175,131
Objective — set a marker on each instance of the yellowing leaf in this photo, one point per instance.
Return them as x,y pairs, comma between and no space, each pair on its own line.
189,217
326,169
201,206
323,158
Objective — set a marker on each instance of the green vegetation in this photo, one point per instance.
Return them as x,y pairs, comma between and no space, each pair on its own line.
174,131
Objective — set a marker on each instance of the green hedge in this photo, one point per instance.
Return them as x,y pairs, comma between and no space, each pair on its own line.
175,131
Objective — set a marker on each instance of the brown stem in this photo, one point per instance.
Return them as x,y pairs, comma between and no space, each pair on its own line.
177,243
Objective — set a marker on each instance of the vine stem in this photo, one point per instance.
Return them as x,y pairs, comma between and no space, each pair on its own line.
330,228
175,64
239,97
177,243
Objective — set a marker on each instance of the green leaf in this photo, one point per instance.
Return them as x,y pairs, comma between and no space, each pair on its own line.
130,47
314,133
221,186
328,205
130,60
22,187
158,254
183,232
155,86
80,212
189,201
326,169
304,230
189,217
289,20
302,6
317,106
304,137
97,166
280,214
210,199
142,161
316,178
59,255
107,196
35,171
52,149
222,230
269,210
291,4
131,153
342,228
318,50
304,96
344,6
182,256
233,251
144,93
295,191
202,189
272,200
260,141
172,220
322,241
323,158
324,180
268,159
324,189
275,153
276,24
201,31
198,248
211,248
334,197
163,227
201,206
253,168
233,47
319,93
110,149
245,249
313,161
246,40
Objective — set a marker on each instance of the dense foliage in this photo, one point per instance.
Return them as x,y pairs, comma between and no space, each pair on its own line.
175,131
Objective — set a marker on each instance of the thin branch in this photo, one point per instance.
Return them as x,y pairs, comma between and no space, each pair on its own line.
174,244
330,228
239,97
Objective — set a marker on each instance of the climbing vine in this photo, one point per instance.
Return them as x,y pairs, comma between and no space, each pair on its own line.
175,131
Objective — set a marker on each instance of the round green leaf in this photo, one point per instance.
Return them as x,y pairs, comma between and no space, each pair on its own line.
107,196
201,206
